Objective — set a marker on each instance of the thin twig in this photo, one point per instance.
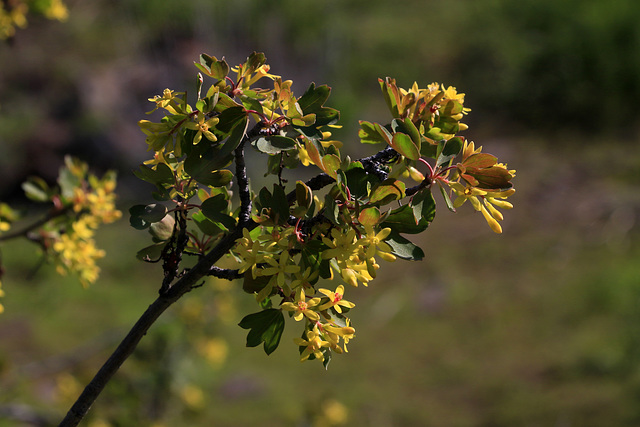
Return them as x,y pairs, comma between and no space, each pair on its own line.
24,232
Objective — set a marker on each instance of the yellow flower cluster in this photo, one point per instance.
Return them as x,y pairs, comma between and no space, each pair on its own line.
76,252
74,249
353,258
351,253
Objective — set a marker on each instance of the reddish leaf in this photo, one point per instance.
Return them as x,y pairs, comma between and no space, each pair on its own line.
480,160
369,216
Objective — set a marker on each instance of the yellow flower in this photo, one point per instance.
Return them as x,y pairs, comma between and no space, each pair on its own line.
301,307
313,345
303,155
376,245
333,333
262,71
279,268
467,193
342,247
335,299
158,158
202,126
168,97
75,255
488,204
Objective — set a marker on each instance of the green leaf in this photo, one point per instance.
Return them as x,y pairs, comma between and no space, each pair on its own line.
435,134
135,217
331,210
208,227
254,61
383,132
312,101
331,165
403,220
162,174
230,117
406,126
304,121
212,67
203,161
403,144
359,181
368,133
447,199
274,144
388,191
253,285
403,248
314,98
275,205
280,204
215,208
154,212
424,206
304,195
235,137
151,253
450,150
218,178
265,326
36,189
387,87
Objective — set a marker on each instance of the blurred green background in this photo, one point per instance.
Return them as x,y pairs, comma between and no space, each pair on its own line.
539,326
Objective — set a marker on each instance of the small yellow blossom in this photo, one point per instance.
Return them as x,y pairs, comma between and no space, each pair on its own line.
342,247
467,193
375,244
279,269
334,333
313,345
202,127
79,256
335,299
301,307
168,97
